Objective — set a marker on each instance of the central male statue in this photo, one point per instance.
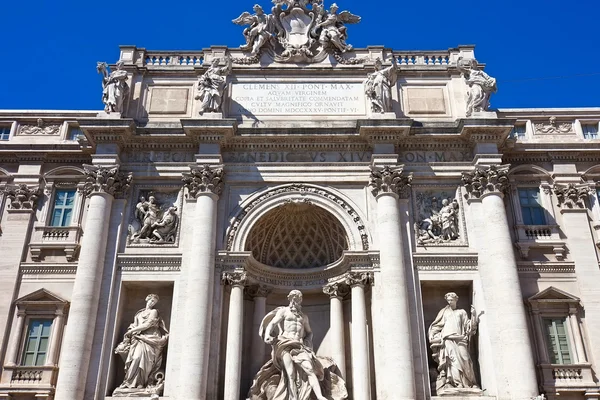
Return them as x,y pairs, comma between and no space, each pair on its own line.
294,371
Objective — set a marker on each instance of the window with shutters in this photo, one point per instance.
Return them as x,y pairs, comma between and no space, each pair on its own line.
531,206
557,340
36,342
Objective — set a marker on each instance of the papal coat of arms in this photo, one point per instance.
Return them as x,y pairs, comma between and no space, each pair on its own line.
296,31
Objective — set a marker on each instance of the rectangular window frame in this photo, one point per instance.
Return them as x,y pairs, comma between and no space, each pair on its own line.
10,125
530,216
25,339
582,128
568,335
63,207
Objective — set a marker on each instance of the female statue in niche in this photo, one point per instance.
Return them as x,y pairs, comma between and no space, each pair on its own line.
449,337
142,349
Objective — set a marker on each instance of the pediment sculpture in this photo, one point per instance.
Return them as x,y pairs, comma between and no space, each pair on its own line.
154,222
294,370
302,31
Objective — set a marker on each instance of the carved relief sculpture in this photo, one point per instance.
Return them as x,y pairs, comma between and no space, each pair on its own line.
481,86
142,350
571,195
296,31
153,222
294,371
22,197
211,86
378,86
40,129
114,87
554,128
450,335
436,223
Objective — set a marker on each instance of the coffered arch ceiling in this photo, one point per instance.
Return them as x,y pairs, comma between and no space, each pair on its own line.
297,235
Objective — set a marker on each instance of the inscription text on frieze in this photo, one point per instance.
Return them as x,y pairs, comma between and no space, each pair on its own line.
253,99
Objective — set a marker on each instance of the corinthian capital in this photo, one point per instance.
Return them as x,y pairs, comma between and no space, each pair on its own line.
22,197
486,180
336,289
571,195
203,180
106,179
234,278
359,278
388,180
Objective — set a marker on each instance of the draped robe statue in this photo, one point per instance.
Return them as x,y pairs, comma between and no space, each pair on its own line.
294,372
449,336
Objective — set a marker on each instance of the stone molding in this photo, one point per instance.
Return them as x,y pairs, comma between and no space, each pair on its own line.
493,179
22,197
255,201
571,195
362,279
236,278
446,262
258,290
546,267
106,179
144,263
204,179
48,268
336,289
388,180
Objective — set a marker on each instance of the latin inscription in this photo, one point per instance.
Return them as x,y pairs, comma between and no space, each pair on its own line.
252,99
308,156
158,156
435,156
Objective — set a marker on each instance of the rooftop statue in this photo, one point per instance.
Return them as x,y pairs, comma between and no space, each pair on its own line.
378,86
481,86
296,31
211,86
294,372
114,87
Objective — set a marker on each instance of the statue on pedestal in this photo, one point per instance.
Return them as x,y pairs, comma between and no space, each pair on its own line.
211,86
294,372
378,86
114,87
142,349
481,86
449,337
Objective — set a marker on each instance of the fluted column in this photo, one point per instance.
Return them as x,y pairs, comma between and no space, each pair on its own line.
504,309
12,353
336,291
235,328
57,331
258,352
204,186
103,183
361,380
581,358
392,347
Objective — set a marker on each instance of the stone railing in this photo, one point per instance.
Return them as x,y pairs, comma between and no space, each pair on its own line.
539,236
166,58
44,376
424,59
566,377
55,238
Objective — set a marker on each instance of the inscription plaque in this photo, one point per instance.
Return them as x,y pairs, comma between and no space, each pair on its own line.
254,99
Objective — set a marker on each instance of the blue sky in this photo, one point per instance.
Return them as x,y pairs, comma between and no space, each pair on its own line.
544,53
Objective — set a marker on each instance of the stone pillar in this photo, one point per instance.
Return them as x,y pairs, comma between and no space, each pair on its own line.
539,333
235,330
57,331
102,184
361,380
577,335
392,349
258,352
581,243
204,186
336,291
505,311
12,353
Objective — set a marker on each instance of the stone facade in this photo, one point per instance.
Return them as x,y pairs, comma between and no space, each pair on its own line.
376,181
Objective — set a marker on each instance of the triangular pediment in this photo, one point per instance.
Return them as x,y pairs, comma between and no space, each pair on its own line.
555,295
41,296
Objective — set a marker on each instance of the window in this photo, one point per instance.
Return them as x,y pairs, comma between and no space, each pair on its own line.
74,133
557,340
590,131
36,342
531,207
64,202
519,131
4,132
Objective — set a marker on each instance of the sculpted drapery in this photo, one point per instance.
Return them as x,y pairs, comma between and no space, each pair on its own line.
294,371
449,336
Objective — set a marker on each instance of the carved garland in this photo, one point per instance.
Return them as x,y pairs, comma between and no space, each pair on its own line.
298,188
